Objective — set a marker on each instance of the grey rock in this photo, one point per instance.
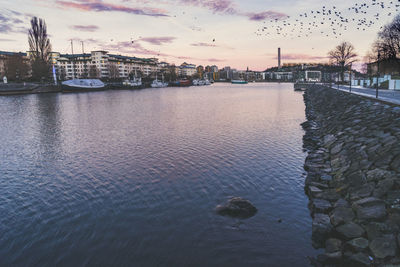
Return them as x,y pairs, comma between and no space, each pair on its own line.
321,205
313,191
333,245
393,197
341,203
356,178
395,165
383,187
329,140
341,215
360,259
350,230
378,174
237,207
329,194
383,247
321,228
362,191
329,258
358,244
336,148
326,177
370,209
384,160
377,229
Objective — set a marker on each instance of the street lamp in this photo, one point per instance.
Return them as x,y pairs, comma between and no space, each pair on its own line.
350,75
377,78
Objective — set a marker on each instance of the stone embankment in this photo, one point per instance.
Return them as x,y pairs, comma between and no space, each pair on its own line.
353,178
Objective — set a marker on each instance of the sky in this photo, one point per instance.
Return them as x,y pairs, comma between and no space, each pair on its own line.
234,33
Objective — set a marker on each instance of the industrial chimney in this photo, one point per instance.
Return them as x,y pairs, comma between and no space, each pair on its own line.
279,58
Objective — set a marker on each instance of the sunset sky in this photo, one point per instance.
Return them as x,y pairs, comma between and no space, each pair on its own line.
224,32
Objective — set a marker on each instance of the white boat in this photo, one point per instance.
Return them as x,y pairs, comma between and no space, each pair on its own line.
239,82
136,82
201,82
77,85
158,84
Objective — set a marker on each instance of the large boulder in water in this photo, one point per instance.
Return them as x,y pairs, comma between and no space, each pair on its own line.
237,207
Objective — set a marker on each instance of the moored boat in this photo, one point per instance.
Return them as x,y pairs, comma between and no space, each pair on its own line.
184,82
158,84
79,85
135,82
239,82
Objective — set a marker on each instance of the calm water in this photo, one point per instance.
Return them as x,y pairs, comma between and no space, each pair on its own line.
131,178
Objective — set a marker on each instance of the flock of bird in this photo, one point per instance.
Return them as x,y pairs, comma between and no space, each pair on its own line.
332,22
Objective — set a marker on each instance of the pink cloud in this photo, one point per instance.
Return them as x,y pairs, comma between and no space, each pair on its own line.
266,15
229,7
158,40
217,6
100,6
203,44
85,28
301,57
215,60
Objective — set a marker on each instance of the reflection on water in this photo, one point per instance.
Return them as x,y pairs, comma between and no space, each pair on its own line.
132,177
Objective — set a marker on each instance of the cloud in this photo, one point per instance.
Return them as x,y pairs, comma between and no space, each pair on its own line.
216,60
265,15
85,28
229,7
216,6
196,28
12,22
6,40
203,44
100,6
158,40
295,56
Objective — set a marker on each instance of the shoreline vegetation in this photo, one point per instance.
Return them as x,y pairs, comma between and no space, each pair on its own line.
353,170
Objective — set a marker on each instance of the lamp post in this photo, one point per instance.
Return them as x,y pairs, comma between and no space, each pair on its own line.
377,78
350,75
338,84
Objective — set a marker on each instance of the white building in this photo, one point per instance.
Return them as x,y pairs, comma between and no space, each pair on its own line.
187,70
101,64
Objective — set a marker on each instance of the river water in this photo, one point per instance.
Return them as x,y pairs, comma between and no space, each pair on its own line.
131,178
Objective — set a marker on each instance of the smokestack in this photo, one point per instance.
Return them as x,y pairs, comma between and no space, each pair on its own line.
279,58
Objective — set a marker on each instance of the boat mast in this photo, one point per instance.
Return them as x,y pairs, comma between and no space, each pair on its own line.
85,74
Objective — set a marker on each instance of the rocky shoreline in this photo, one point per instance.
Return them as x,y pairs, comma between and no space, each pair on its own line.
353,178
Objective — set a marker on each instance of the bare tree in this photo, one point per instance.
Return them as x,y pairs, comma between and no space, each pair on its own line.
113,71
93,72
388,42
40,49
343,56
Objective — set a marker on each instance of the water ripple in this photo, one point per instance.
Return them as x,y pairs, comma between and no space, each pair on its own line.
123,177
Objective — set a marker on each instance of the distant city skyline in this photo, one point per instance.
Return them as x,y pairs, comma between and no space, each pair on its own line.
224,33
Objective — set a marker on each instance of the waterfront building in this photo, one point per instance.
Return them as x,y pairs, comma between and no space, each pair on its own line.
15,65
187,70
200,71
214,68
386,67
101,64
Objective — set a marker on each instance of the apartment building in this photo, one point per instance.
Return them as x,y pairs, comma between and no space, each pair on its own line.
101,64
